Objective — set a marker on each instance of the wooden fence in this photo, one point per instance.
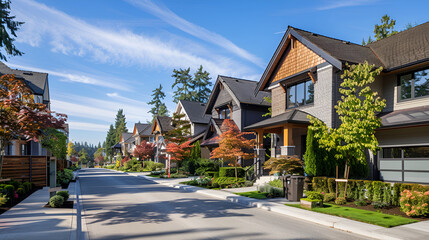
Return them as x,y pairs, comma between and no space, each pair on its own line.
26,168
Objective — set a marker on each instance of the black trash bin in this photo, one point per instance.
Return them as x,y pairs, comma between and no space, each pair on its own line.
295,188
285,179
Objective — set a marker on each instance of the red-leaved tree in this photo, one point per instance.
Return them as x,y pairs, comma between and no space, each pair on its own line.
99,159
144,150
179,152
233,144
20,116
74,159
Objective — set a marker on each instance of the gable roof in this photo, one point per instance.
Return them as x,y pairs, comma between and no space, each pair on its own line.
142,129
241,90
404,48
292,116
126,137
164,123
36,81
195,111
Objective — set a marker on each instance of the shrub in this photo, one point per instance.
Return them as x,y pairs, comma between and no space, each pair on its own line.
329,197
378,191
14,183
10,191
159,166
340,201
248,183
396,194
227,181
360,203
278,183
28,186
65,176
204,181
64,194
415,203
56,201
230,172
331,185
149,166
320,184
212,174
369,190
3,199
20,191
312,195
379,205
272,191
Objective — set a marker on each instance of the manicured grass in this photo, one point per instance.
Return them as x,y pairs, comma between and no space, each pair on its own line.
157,176
254,194
376,218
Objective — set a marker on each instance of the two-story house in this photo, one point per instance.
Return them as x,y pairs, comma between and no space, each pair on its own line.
194,113
304,76
127,143
232,98
160,126
142,131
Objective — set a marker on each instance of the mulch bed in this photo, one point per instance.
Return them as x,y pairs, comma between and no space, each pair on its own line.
392,210
66,204
10,204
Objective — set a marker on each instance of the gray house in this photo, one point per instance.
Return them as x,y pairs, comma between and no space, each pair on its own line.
194,113
303,77
232,98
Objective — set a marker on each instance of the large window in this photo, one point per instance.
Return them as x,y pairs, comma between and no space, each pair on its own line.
415,84
409,152
300,94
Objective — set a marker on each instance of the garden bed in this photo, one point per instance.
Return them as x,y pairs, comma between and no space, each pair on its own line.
254,194
361,215
66,204
11,204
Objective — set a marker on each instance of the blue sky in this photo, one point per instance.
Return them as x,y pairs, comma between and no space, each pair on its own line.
102,55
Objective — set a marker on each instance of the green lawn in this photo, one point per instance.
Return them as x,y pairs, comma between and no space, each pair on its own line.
157,176
376,218
254,194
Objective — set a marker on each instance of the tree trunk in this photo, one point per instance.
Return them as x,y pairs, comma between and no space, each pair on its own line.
236,177
3,145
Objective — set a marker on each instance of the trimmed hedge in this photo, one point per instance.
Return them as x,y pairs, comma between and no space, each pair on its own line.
226,181
212,174
230,172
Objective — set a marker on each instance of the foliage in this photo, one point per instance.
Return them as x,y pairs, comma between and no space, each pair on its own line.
318,160
98,156
328,197
56,201
70,149
232,144
144,150
64,176
254,194
212,174
385,29
120,125
10,191
205,165
312,195
20,116
340,201
360,203
357,111
28,186
181,129
64,194
83,156
9,27
269,100
276,183
20,191
272,191
415,203
179,152
3,199
288,164
379,205
110,141
197,88
230,172
158,106
56,142
227,181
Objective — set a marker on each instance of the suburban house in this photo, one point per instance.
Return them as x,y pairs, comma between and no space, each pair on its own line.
194,113
127,143
304,76
142,131
232,98
161,125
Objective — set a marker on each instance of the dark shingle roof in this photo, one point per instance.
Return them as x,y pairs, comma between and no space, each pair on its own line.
406,47
195,111
143,129
412,116
244,89
35,81
127,137
292,116
164,123
340,49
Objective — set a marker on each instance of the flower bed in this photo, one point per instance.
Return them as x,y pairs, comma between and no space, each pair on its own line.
13,192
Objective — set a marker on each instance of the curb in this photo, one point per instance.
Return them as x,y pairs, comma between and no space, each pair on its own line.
73,227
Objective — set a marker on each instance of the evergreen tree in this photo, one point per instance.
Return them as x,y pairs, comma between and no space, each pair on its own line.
385,29
120,116
121,129
8,31
158,106
201,85
183,84
110,141
83,156
182,129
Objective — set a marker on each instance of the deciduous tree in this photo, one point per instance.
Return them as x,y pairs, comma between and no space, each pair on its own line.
20,116
144,151
70,149
288,164
55,141
233,144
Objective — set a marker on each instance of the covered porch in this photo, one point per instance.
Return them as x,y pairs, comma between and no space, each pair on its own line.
288,136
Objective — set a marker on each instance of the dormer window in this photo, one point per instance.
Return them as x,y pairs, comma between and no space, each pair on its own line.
414,85
225,113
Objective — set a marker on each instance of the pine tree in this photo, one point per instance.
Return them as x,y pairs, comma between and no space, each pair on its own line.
201,85
120,116
122,128
182,129
110,141
183,84
385,29
8,31
158,107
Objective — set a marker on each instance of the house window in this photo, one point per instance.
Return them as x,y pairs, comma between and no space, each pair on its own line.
23,149
415,84
300,94
225,113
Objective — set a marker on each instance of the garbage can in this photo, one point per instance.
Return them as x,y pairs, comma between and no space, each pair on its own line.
295,188
285,179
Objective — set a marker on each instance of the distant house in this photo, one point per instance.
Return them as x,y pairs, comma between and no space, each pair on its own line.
127,143
161,125
142,131
232,98
38,83
194,113
304,76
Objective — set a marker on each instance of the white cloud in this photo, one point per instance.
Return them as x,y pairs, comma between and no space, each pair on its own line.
71,36
77,77
173,19
344,3
88,126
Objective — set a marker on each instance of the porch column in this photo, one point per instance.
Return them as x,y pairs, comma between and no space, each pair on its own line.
288,147
259,138
259,161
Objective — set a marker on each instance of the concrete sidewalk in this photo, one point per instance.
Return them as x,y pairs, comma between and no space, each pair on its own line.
411,231
30,220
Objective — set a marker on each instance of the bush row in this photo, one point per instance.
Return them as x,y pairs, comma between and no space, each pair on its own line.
230,172
13,189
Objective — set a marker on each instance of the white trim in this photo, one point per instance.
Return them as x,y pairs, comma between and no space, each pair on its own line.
325,67
405,145
274,86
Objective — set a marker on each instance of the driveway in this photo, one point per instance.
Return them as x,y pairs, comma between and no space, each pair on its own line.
120,206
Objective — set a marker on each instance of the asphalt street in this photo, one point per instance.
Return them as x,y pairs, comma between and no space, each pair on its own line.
120,206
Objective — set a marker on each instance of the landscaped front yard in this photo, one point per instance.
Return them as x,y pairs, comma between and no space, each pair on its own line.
372,217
